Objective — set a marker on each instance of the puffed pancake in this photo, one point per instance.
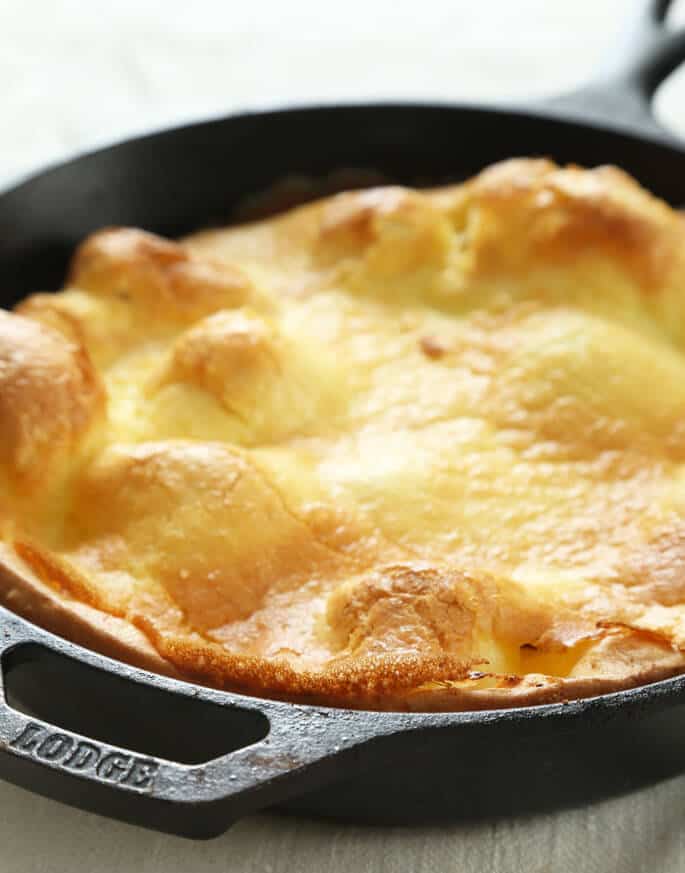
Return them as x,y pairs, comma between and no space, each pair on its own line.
395,449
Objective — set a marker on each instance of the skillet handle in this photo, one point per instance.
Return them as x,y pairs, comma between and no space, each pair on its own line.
297,748
623,90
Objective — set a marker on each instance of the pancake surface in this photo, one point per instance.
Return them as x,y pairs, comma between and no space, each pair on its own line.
393,449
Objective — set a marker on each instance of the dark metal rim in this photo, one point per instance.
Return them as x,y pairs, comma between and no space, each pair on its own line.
552,111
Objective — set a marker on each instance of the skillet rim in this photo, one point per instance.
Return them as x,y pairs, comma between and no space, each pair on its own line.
542,110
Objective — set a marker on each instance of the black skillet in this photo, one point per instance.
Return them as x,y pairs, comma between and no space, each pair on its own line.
98,734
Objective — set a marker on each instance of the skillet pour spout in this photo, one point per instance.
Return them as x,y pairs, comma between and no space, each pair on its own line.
167,754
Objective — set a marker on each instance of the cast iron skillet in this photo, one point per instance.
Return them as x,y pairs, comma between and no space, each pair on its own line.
98,734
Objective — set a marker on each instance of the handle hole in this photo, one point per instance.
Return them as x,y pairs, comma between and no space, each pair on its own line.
669,101
141,718
675,16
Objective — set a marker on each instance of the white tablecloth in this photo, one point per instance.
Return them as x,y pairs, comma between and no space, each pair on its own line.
76,74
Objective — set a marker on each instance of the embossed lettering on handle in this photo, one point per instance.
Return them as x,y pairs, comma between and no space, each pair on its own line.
71,753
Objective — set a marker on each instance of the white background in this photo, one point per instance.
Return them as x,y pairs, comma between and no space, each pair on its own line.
76,74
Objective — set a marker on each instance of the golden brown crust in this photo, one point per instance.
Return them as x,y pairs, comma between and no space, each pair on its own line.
23,592
157,274
50,396
556,213
407,684
394,449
